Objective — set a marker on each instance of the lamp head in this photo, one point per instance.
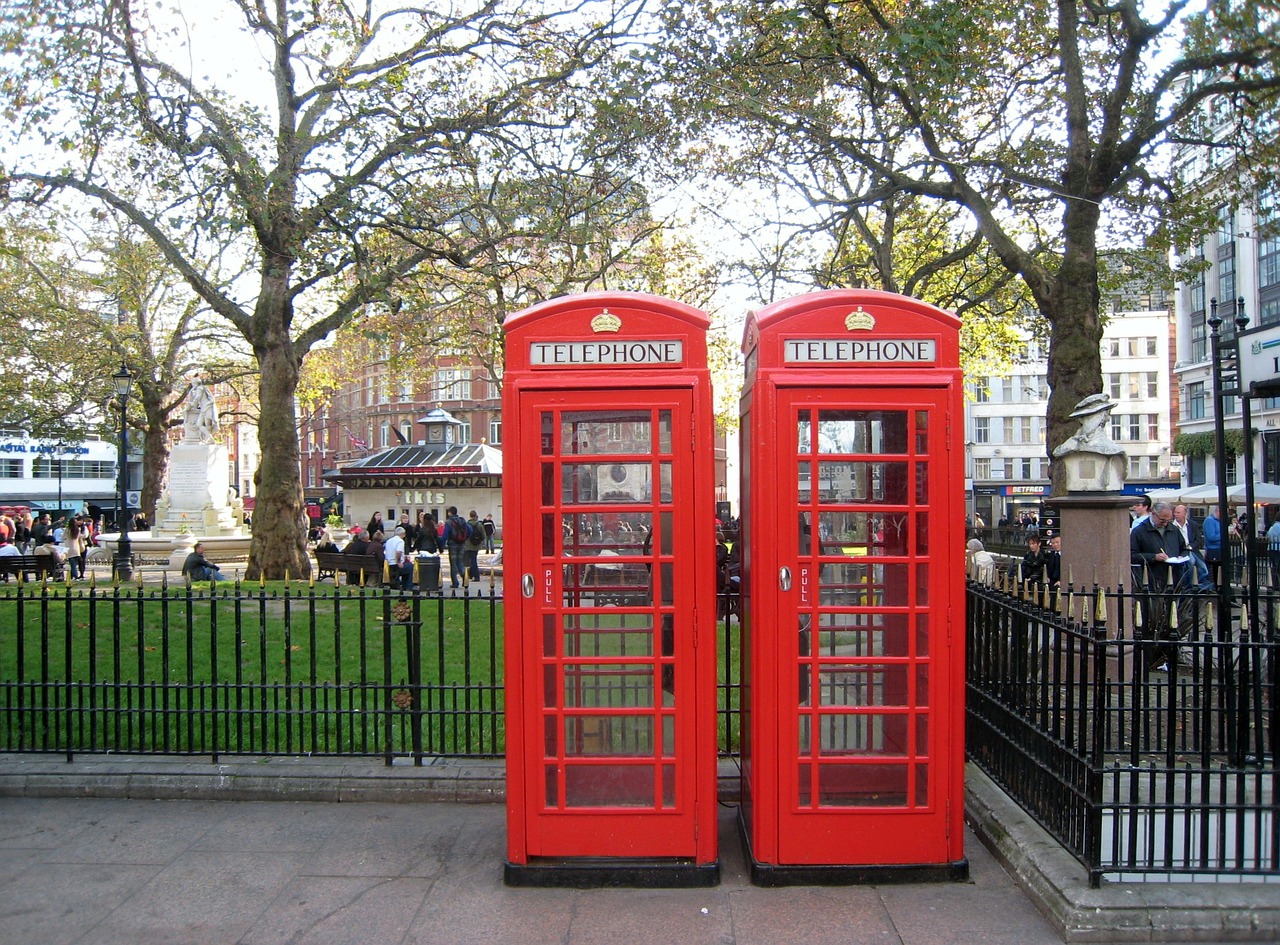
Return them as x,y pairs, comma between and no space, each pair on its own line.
123,381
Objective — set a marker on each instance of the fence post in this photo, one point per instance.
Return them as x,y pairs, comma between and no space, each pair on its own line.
1095,765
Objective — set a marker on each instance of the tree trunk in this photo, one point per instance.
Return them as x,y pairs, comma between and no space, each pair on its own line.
155,457
279,545
1074,343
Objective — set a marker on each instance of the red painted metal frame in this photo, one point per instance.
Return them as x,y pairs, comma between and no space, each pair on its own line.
564,385
785,826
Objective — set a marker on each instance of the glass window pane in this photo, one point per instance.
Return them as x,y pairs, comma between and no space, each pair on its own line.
608,686
587,735
596,432
600,785
862,785
862,431
614,483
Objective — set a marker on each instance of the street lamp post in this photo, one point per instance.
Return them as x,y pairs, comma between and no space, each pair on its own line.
124,549
1220,460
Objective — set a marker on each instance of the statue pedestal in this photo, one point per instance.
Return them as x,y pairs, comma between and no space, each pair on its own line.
1095,540
197,497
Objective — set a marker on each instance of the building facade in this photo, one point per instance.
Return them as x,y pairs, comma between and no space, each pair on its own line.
1006,428
1239,262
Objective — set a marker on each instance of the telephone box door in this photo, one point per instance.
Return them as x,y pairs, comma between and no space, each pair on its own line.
608,610
865,701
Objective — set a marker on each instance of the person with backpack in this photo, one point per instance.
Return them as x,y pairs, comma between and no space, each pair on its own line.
455,541
475,541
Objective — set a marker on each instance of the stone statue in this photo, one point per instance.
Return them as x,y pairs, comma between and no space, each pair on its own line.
200,422
1094,461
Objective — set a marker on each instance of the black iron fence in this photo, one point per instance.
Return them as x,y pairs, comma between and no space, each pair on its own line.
1139,730
250,670
1139,752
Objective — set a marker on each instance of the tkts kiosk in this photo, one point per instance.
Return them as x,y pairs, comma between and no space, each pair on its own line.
610,594
853,591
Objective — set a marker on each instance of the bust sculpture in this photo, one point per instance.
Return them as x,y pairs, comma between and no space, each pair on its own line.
1094,461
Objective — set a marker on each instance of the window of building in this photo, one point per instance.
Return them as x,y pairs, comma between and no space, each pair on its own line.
1009,433
1269,311
1135,467
1113,386
10,469
405,428
1153,426
1195,471
982,468
1226,280
982,429
1195,401
46,467
495,432
1111,347
1026,468
311,477
1008,468
1134,347
1199,338
1153,347
452,384
464,432
384,434
1006,390
1153,384
406,389
1025,434
1116,428
1135,426
1232,466
1197,286
1133,384
1268,240
981,391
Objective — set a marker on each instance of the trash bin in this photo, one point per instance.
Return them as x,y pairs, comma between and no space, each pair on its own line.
429,574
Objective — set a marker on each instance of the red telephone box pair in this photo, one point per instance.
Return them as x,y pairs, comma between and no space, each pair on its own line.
852,592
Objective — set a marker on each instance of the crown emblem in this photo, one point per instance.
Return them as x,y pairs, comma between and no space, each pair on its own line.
859,321
606,321
1257,348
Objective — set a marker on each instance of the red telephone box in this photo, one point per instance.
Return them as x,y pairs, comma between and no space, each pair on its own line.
608,488
853,591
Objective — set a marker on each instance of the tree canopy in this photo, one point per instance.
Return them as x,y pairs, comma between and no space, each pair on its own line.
302,158
1048,123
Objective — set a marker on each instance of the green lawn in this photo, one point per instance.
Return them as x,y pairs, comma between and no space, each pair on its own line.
274,669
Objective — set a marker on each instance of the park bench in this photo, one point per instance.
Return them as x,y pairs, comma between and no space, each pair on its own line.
330,563
31,567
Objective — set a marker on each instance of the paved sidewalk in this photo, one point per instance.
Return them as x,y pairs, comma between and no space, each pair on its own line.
104,871
123,849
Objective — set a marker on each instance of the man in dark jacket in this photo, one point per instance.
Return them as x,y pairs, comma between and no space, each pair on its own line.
1160,559
200,568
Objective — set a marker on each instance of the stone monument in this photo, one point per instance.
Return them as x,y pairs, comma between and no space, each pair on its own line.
1095,520
198,500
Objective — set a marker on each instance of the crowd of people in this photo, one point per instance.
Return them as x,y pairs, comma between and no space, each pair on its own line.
66,539
400,544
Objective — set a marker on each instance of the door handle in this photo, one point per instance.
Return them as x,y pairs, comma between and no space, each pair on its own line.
526,585
784,579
